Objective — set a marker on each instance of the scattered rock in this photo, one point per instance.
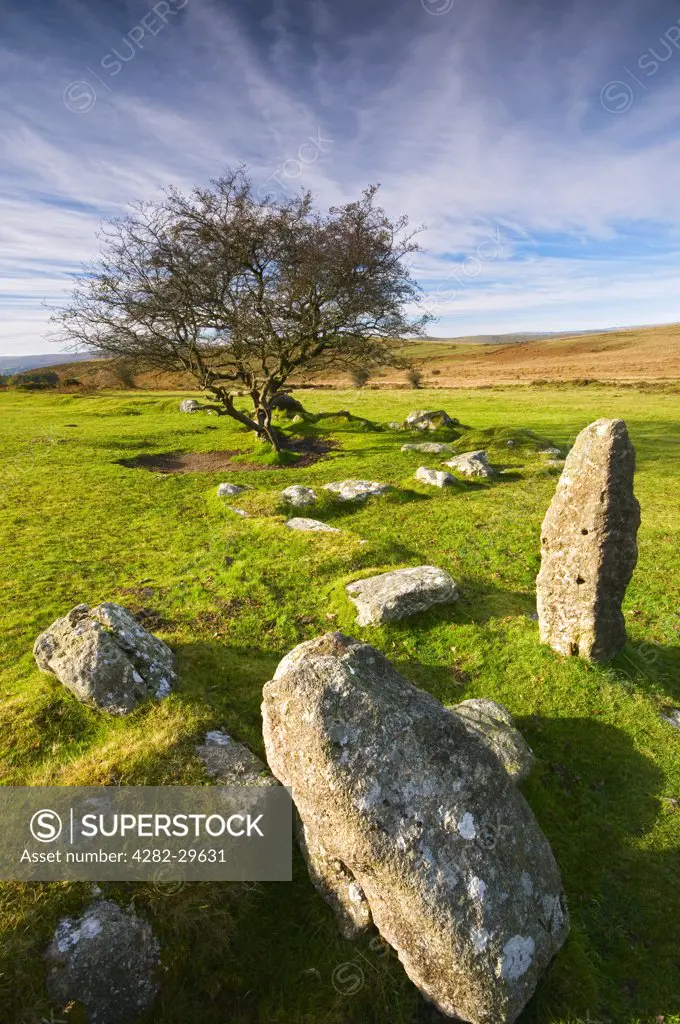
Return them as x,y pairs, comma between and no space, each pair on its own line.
429,447
424,419
356,490
300,523
106,658
232,764
510,443
395,426
494,725
471,464
672,717
108,960
435,477
238,511
554,462
229,490
298,496
588,545
409,820
288,404
189,405
554,452
395,595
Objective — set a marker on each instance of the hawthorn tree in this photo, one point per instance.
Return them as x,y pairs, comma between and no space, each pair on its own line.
243,293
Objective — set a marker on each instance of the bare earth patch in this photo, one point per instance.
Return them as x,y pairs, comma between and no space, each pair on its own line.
310,450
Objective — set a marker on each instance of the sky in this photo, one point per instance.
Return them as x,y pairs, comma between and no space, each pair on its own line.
536,141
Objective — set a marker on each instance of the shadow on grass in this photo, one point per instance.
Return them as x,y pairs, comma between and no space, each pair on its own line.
651,667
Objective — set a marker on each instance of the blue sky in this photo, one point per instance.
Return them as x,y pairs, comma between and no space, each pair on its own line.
538,141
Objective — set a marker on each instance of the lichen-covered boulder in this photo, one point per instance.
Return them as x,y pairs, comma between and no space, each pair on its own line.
189,405
356,490
471,464
410,820
400,593
589,546
298,496
427,419
229,490
108,960
429,448
230,763
106,658
494,726
310,525
434,477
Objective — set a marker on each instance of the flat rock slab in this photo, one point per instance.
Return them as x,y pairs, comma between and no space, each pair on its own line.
229,490
472,464
106,658
410,820
108,960
311,525
429,448
589,546
356,490
230,763
396,595
298,496
434,477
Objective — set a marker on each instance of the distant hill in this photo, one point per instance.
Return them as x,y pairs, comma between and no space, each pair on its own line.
19,364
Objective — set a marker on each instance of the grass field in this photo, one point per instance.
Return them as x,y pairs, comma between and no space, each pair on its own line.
232,595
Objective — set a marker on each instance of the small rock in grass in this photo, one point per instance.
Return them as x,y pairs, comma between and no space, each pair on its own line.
238,511
434,477
300,523
471,464
672,717
398,594
232,764
395,426
554,452
108,960
189,405
106,658
424,419
356,490
229,490
299,496
429,447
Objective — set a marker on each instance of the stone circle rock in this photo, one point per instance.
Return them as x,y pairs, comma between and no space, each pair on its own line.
429,447
300,523
108,960
434,477
106,658
288,404
298,496
494,725
356,490
589,545
231,763
408,819
229,490
398,594
189,405
471,464
425,419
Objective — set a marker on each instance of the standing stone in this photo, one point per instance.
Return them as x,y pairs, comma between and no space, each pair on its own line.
588,545
410,818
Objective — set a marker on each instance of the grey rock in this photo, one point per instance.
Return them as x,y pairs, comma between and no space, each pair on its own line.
472,464
395,426
398,594
434,477
589,546
298,496
229,490
510,443
494,726
189,405
429,447
428,419
106,658
311,525
230,763
672,717
238,511
553,452
356,490
288,404
108,960
410,820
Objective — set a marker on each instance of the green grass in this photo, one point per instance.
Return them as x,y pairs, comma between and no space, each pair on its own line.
232,595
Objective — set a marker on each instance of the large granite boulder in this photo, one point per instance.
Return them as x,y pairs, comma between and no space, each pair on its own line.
398,594
356,490
106,658
108,960
410,820
298,496
589,545
230,763
427,419
434,477
475,464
